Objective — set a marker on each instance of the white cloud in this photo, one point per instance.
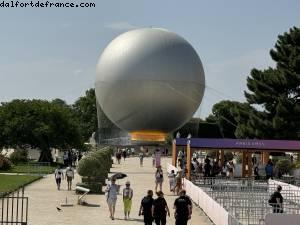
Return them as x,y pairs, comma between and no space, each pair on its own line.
121,25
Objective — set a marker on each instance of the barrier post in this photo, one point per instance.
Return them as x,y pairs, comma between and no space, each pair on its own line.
188,160
174,153
266,156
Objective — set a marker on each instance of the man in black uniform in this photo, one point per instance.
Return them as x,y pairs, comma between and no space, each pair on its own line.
146,208
183,208
276,200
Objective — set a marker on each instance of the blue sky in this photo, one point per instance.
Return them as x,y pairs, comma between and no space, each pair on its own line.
52,53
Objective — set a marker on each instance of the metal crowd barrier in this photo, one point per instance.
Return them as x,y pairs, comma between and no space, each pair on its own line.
246,199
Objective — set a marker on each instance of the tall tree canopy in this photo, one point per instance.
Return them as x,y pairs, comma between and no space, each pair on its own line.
228,115
38,124
277,92
86,113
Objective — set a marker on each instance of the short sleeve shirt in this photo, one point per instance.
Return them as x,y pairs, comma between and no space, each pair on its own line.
147,203
112,191
159,207
127,192
181,205
58,173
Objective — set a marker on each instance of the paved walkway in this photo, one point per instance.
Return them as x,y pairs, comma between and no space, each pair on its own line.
44,198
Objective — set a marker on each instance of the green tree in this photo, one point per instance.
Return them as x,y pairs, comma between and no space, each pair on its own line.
276,92
223,114
86,113
228,115
38,124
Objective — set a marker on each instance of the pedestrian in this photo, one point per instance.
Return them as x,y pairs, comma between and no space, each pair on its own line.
66,159
255,172
224,170
70,159
172,182
183,209
230,167
269,170
69,177
146,208
59,175
178,180
207,168
118,156
124,153
276,200
160,209
127,200
153,160
179,158
159,178
157,157
111,197
141,157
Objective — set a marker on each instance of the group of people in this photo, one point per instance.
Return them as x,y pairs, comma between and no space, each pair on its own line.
212,169
152,209
71,157
60,175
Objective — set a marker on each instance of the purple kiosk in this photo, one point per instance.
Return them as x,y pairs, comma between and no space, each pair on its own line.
246,146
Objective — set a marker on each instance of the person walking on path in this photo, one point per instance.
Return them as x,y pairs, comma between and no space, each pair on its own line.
276,200
172,182
58,174
66,158
124,154
70,177
153,160
183,209
146,208
112,192
178,180
141,157
127,199
118,156
157,157
159,178
160,209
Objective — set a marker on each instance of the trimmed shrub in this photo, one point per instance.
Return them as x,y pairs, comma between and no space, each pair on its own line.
5,164
96,163
284,166
19,156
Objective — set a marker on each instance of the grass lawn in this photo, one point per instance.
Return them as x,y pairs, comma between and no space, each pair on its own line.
9,183
27,168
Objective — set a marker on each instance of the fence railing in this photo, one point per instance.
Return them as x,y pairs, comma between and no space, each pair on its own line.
14,208
246,199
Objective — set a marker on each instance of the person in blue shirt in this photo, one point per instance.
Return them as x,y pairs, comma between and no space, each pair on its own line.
269,170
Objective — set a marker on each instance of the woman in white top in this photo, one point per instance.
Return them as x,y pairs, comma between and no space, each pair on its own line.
172,182
58,174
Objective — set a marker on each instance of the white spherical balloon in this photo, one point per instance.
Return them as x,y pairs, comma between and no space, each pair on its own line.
149,81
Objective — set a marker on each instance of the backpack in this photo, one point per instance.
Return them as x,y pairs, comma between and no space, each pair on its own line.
272,199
